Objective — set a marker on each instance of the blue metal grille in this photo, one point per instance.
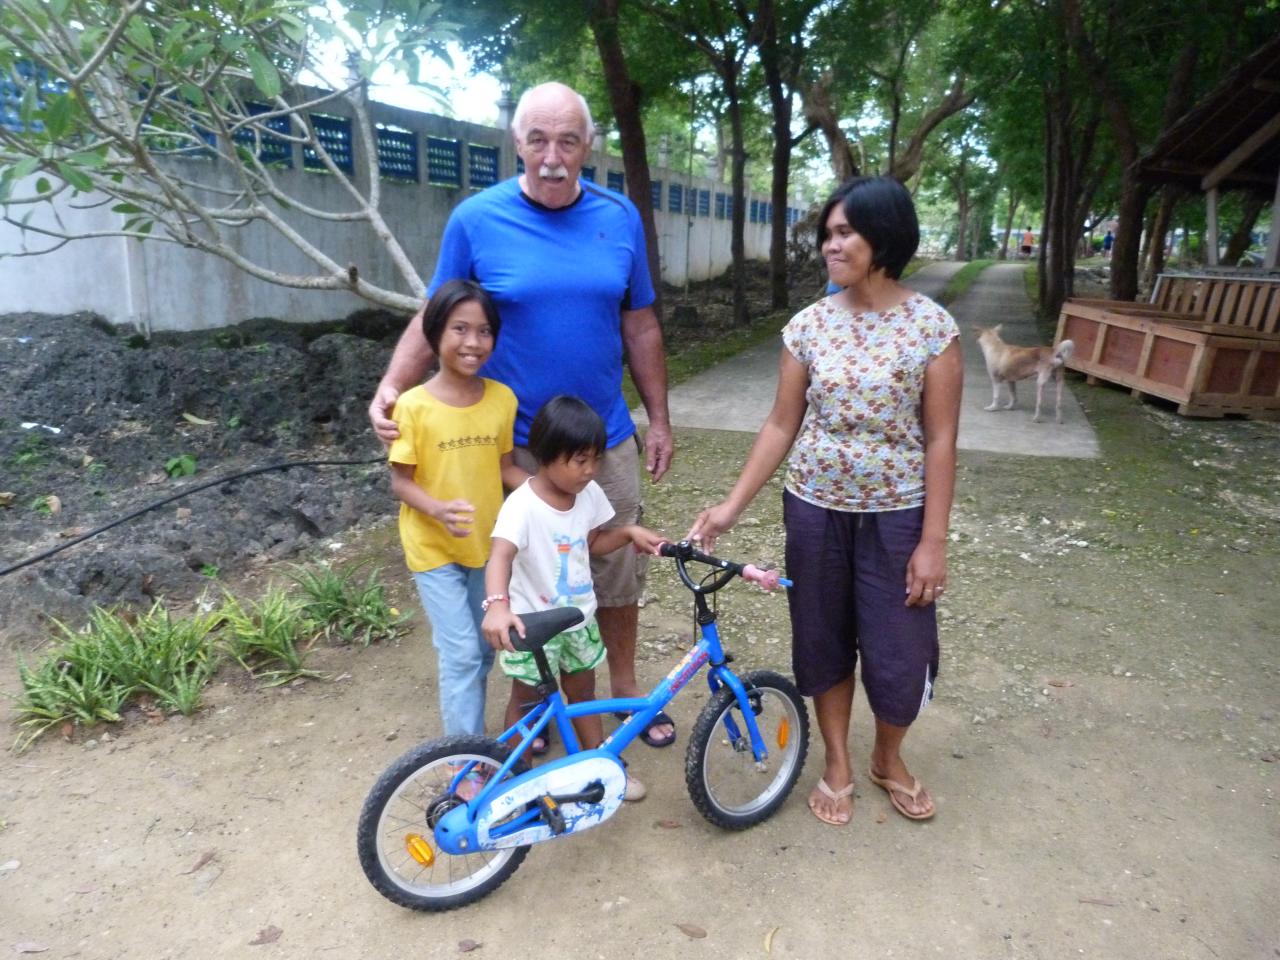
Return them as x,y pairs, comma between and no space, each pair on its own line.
11,92
720,206
271,149
484,166
334,134
728,206
588,173
754,215
397,153
704,203
655,191
617,181
444,162
675,198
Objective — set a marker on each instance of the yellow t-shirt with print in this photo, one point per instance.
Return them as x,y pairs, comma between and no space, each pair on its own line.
456,454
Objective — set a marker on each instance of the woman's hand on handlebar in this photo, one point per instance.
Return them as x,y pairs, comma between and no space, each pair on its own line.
711,523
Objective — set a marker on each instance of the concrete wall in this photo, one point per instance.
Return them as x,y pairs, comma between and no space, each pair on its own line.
162,286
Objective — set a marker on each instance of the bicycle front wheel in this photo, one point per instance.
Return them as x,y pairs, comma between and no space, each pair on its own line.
724,781
396,834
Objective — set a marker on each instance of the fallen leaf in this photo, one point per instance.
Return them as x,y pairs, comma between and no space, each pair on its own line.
86,888
29,947
183,513
7,497
1269,757
204,859
67,729
266,935
669,824
768,939
466,946
54,503
88,459
1061,683
1098,901
198,421
689,930
70,532
881,817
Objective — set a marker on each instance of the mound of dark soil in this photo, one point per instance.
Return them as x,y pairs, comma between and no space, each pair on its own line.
91,416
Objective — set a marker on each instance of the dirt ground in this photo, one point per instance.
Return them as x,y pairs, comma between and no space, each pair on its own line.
1103,750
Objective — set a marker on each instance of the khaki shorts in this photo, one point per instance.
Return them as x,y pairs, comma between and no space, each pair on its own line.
619,576
570,652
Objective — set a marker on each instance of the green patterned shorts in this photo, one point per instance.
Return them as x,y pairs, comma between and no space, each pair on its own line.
568,652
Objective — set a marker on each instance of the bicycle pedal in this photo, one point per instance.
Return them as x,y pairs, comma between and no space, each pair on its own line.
552,814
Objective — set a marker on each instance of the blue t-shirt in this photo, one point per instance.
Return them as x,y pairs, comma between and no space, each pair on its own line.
560,279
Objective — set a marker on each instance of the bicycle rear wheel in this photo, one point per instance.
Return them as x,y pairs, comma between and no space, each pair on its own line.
396,834
720,771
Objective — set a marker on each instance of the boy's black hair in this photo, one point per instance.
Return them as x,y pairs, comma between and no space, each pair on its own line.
450,295
565,426
880,209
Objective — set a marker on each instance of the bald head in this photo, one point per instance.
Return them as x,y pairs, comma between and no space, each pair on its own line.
555,99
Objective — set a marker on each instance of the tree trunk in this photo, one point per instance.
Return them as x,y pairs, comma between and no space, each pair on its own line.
1240,237
1008,224
819,111
624,98
780,101
1131,214
737,242
1160,223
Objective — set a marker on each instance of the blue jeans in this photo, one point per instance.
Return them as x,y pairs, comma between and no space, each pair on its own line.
451,596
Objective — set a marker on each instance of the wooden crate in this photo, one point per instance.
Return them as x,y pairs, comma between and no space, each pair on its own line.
1208,369
1231,300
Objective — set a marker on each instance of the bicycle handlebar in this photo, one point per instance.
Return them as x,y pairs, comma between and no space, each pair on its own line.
684,551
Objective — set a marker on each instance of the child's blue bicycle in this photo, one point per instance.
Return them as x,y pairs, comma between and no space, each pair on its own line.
450,820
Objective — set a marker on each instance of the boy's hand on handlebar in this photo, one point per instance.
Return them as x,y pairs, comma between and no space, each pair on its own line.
456,516
646,540
711,523
380,407
498,621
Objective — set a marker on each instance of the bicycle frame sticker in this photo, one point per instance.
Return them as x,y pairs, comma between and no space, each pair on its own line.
686,668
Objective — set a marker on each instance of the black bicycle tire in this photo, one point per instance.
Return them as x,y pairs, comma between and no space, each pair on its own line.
706,727
431,751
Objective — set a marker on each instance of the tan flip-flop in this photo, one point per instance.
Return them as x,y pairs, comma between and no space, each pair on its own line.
893,788
836,795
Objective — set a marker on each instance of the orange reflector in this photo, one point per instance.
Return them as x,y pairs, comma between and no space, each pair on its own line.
419,849
784,732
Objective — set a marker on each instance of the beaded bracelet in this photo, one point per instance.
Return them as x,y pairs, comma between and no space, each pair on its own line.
492,599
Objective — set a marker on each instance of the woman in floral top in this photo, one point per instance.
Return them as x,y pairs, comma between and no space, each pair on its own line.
868,405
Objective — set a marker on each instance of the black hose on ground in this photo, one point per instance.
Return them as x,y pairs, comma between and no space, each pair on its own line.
186,493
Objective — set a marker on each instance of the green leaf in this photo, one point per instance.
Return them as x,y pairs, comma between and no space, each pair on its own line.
192,94
126,208
194,54
77,178
265,76
232,43
28,105
43,185
57,115
24,168
59,7
140,34
293,28
94,159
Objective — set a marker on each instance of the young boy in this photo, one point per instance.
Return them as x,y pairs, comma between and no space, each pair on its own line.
540,558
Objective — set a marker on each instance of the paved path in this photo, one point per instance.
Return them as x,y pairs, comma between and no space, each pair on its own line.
737,394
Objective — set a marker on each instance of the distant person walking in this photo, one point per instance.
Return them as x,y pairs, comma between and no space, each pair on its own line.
1107,243
1028,244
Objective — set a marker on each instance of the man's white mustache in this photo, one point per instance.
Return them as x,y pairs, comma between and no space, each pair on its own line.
559,170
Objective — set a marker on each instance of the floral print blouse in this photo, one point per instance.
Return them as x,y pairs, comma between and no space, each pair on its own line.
861,446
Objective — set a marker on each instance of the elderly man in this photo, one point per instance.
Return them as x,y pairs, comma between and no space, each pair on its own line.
565,261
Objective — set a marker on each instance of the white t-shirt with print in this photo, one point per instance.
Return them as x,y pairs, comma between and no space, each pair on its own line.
552,567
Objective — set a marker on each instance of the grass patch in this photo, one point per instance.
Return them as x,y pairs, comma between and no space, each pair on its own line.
962,280
351,611
270,637
90,675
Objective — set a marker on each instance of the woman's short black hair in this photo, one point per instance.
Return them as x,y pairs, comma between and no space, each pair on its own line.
564,427
445,300
881,211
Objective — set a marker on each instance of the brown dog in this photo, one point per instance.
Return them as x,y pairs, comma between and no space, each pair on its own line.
1009,364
